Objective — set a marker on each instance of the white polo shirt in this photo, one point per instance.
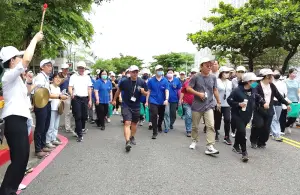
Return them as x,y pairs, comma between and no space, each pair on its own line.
43,80
15,93
80,84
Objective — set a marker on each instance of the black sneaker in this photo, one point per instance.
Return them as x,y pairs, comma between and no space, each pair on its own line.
154,136
188,134
79,139
127,146
261,146
253,145
92,122
102,128
150,127
132,140
171,127
159,129
236,149
245,157
227,140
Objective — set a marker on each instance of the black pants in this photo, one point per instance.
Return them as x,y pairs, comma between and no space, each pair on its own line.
261,133
225,111
16,134
154,111
102,110
80,113
233,126
43,116
290,121
282,120
240,136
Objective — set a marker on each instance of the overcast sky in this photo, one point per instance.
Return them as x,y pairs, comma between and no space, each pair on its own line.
144,28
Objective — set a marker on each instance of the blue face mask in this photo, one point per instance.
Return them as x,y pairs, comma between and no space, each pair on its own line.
253,85
104,77
160,73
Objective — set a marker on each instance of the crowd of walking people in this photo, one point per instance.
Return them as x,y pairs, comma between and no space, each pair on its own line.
208,92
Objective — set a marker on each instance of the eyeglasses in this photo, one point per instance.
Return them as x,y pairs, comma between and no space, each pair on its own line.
241,71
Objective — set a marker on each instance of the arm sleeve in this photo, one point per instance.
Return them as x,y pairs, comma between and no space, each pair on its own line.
13,74
71,81
231,99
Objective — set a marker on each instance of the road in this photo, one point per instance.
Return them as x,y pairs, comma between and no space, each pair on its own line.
100,166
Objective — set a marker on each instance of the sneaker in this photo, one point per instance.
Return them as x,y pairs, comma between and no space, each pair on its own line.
217,138
132,140
154,136
211,150
47,149
79,139
288,130
282,133
74,134
50,145
278,139
236,150
171,127
92,122
117,113
232,135
41,154
127,146
227,140
141,123
159,129
150,127
102,128
253,145
193,145
108,120
84,131
56,143
188,134
261,146
245,157
166,130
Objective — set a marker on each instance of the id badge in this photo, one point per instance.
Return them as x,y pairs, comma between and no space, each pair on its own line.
205,94
133,99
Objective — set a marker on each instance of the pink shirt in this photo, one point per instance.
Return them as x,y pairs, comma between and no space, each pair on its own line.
188,98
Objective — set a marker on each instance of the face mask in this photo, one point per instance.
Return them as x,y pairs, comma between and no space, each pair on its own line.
160,73
145,77
276,76
253,85
293,75
128,75
170,75
104,77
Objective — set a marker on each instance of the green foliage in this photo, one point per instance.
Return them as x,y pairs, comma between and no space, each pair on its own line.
177,61
64,22
118,64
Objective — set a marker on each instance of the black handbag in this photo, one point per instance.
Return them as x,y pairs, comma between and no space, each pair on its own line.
2,126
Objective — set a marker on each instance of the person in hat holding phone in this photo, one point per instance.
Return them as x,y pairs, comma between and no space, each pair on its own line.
16,112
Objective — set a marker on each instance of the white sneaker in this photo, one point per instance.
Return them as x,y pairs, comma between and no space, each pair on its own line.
108,120
56,143
117,113
22,187
211,150
233,135
282,133
74,134
141,123
193,145
50,145
288,130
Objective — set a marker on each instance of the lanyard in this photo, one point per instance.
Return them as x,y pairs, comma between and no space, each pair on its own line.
134,87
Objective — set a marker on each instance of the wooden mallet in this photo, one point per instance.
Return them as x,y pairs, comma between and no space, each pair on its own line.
44,11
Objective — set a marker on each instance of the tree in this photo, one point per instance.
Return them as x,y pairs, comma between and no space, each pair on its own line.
102,64
64,22
178,61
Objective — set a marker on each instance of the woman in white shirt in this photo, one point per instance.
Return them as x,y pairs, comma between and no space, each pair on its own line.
16,112
224,86
51,137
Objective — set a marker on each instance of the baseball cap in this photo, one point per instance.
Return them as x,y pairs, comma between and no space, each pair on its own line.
46,61
205,59
194,70
250,76
60,70
182,72
9,52
98,71
159,67
266,71
225,69
241,68
81,64
113,74
133,68
64,66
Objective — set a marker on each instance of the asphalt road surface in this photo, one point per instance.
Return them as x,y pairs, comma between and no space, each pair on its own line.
100,166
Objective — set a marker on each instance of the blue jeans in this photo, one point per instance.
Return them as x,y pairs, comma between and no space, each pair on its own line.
170,114
53,128
275,125
187,117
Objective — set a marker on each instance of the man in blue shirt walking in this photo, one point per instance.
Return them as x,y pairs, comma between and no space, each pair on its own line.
132,89
157,99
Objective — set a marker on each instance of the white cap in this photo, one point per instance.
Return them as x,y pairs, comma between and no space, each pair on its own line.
119,75
98,71
241,68
9,52
81,64
126,70
250,76
133,68
60,70
176,73
195,70
205,59
64,66
277,72
266,71
46,61
182,72
113,74
146,71
159,67
87,72
224,69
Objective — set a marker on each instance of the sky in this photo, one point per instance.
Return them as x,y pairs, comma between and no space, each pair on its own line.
144,28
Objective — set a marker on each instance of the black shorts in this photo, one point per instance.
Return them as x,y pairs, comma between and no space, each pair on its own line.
130,114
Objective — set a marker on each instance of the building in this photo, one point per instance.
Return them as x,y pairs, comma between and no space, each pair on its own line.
205,12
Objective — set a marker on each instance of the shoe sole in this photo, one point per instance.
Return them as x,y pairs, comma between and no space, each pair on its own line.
227,143
127,148
192,148
245,160
210,153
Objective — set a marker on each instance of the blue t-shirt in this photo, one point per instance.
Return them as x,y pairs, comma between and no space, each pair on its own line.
104,89
65,85
157,95
131,89
93,94
292,90
174,87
